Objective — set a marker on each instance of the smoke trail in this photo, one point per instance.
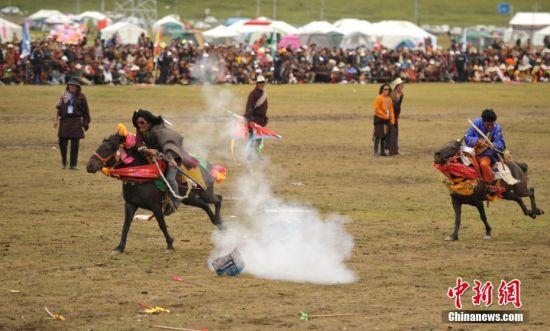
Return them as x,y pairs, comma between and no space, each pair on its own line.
277,239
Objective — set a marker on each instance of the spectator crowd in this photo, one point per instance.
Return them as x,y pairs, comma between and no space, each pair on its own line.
184,62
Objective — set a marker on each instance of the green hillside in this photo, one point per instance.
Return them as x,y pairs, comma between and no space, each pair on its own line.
452,12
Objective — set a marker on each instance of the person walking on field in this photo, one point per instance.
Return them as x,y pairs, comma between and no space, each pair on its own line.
397,97
384,119
256,111
72,119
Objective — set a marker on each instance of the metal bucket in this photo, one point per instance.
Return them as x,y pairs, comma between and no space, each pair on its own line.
231,264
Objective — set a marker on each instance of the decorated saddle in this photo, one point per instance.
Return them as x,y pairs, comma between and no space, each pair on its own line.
461,171
199,176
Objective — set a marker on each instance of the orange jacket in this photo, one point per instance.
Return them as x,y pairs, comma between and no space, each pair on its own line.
383,108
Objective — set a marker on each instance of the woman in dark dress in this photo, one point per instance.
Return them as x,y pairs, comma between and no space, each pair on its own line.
72,119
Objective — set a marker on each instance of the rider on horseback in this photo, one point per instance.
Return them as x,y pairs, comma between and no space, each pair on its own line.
154,136
486,154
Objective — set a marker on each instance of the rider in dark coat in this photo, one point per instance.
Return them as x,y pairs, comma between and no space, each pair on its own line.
153,136
72,119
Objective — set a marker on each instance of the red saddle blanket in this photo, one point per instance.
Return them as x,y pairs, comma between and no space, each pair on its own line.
138,173
457,169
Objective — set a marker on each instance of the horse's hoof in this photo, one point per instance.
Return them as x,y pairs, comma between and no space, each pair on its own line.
116,252
221,227
451,238
169,251
487,237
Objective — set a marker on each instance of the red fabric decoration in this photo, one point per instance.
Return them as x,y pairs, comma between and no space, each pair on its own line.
139,173
457,169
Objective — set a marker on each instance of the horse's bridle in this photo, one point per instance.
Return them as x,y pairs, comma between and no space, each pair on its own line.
106,159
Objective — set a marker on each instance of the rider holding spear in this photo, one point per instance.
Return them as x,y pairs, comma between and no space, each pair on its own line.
485,135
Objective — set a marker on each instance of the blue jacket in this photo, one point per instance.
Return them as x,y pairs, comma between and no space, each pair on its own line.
497,138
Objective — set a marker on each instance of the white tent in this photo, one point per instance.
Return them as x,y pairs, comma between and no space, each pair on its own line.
40,17
92,15
538,37
44,13
392,33
127,32
169,24
356,39
58,19
349,25
524,20
262,25
220,32
8,30
318,27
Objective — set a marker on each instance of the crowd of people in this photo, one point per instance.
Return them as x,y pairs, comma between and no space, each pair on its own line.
184,62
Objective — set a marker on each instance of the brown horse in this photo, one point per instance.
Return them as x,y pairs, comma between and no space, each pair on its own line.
512,192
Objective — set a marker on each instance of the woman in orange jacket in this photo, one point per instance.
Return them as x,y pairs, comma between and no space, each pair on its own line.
383,118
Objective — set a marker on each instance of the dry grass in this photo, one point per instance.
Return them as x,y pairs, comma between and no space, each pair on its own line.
58,227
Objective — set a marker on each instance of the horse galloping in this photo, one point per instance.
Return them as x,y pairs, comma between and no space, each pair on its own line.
145,194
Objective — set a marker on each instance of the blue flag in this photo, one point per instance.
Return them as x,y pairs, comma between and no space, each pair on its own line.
26,42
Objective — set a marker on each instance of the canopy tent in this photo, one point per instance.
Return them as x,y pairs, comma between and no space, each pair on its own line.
252,30
538,37
357,39
91,15
530,21
262,25
349,25
391,33
170,25
58,19
9,30
318,27
322,40
40,16
128,33
220,35
43,14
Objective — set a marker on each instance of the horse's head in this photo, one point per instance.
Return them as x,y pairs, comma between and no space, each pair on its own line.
105,154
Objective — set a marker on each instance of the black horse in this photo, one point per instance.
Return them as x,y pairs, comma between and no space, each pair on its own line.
480,194
146,195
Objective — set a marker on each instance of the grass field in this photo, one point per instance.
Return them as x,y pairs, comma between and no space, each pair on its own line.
58,227
454,13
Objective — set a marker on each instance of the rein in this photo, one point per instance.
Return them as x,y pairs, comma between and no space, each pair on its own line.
106,159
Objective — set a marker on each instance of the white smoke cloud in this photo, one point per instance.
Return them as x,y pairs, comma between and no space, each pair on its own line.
285,241
277,240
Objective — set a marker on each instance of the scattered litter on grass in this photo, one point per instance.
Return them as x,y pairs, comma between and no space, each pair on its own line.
179,278
152,310
304,316
175,328
55,316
